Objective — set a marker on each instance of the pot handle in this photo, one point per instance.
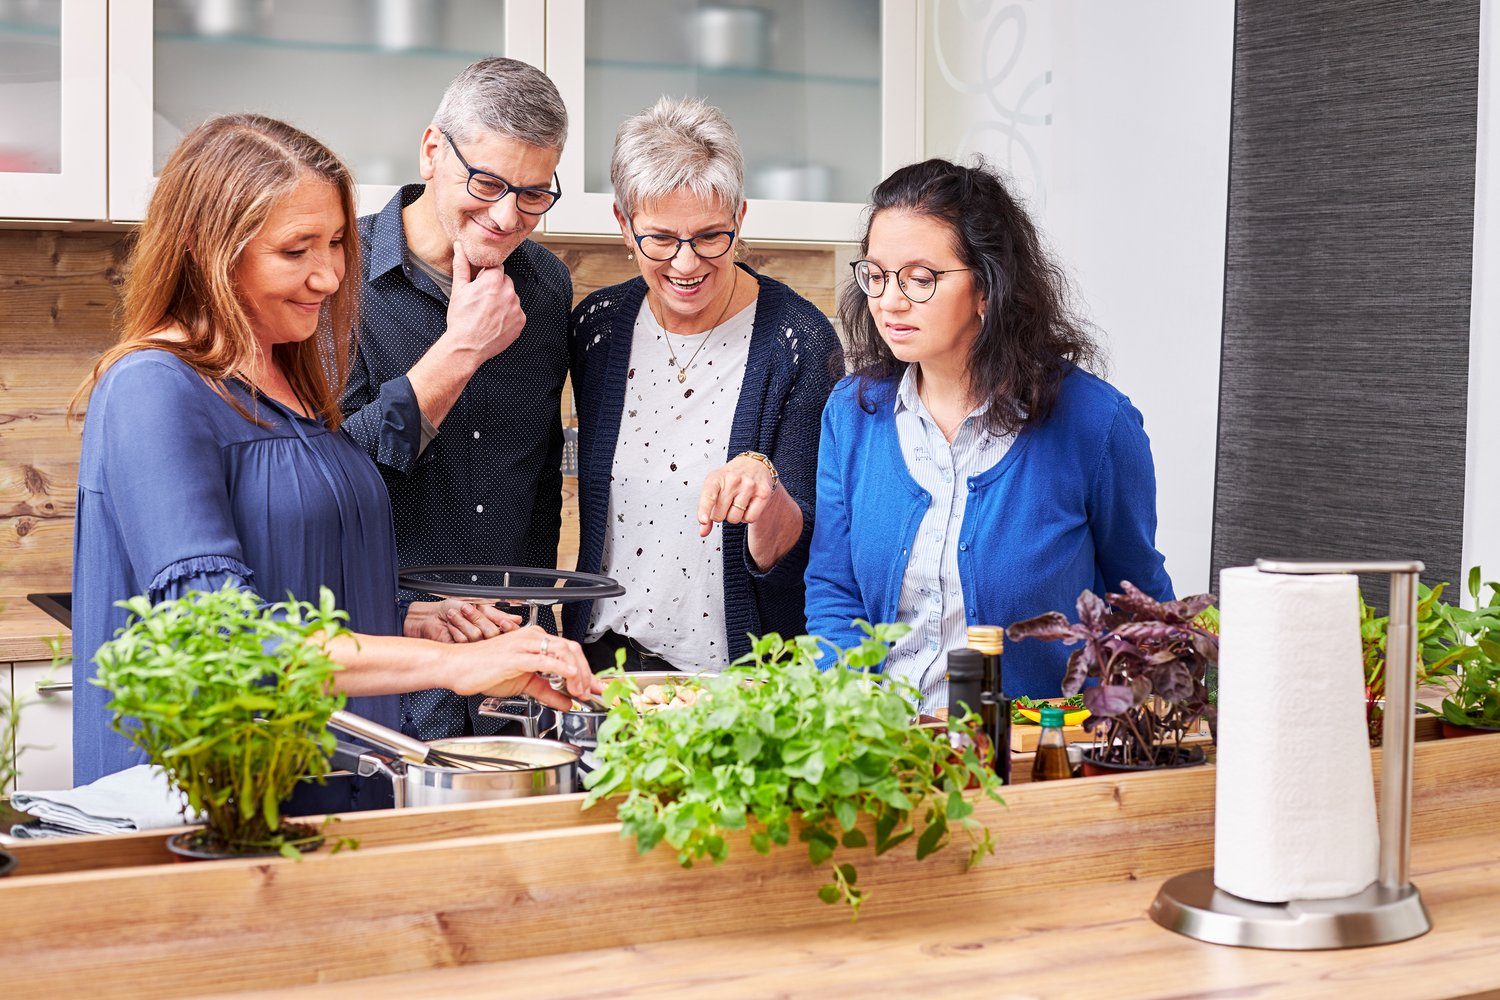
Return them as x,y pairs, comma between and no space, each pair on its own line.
495,708
361,761
356,759
374,733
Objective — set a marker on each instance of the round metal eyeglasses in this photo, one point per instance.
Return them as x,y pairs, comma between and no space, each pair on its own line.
916,281
491,187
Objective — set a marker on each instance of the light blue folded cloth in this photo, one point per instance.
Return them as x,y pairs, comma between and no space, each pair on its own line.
137,798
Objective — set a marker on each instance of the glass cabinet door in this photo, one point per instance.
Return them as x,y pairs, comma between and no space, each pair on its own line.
822,96
364,76
52,163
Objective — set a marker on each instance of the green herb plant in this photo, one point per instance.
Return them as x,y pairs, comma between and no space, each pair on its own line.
11,707
1473,638
230,698
1437,651
774,739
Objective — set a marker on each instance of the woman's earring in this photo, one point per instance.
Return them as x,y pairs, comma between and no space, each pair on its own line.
630,255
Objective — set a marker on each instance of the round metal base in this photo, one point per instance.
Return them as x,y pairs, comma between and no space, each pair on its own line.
1190,904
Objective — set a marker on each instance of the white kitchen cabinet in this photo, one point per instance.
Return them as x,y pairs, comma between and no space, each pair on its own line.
46,729
52,109
364,76
94,94
824,96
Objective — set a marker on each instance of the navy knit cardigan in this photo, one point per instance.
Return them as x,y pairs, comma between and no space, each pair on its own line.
793,363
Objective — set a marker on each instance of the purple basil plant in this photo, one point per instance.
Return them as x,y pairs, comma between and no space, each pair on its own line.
1150,661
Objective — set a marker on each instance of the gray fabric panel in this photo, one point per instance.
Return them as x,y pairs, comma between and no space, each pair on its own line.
1347,275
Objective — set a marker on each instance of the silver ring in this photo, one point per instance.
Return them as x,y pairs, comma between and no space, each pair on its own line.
546,641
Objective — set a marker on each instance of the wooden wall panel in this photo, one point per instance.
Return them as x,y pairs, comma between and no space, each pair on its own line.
59,292
58,295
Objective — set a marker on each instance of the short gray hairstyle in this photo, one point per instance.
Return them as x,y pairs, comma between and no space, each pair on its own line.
677,144
504,97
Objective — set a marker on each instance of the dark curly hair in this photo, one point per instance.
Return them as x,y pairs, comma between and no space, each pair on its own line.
1028,340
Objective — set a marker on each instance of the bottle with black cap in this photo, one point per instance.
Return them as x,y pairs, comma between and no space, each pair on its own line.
965,692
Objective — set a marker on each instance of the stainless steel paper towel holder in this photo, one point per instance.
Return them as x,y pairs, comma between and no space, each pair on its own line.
1389,909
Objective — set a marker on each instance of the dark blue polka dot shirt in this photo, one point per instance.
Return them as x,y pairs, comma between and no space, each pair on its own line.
488,488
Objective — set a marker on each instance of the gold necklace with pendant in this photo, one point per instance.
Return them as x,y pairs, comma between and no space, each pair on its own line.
682,369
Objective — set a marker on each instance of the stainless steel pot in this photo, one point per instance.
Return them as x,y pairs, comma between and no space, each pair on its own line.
578,726
551,768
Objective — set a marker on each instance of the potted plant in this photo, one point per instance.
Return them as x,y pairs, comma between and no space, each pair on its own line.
229,698
774,738
1473,703
1150,660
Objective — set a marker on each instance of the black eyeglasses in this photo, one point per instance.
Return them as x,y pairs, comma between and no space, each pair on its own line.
664,246
489,187
917,283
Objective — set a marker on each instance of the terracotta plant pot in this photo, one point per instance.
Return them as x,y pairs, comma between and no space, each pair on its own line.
1184,757
1452,732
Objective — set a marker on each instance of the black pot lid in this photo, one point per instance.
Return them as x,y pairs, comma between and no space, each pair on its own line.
510,584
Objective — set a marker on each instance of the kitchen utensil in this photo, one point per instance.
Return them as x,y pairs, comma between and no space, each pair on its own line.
550,768
1389,909
402,25
731,37
792,182
516,585
413,750
579,726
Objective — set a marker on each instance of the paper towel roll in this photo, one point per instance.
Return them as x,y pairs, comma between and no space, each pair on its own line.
1294,801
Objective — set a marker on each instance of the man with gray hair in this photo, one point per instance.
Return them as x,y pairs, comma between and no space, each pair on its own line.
456,386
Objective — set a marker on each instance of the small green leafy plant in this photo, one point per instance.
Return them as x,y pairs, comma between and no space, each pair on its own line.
773,739
1437,651
1473,638
11,708
230,698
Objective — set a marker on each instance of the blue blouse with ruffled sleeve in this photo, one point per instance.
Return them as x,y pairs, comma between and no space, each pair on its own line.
178,492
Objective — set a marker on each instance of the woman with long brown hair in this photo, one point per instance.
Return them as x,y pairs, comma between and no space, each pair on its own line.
971,471
212,451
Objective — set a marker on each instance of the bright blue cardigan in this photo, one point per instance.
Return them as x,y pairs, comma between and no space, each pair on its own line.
1071,506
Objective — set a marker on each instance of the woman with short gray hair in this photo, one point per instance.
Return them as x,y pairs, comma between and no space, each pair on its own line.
699,387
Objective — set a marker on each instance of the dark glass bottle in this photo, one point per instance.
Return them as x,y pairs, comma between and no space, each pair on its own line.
965,690
989,641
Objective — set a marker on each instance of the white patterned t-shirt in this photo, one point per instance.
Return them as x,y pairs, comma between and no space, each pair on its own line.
672,435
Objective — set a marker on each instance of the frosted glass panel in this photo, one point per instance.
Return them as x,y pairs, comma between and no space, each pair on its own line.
30,86
364,76
800,83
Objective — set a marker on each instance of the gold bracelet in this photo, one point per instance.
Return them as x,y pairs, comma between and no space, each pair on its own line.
762,459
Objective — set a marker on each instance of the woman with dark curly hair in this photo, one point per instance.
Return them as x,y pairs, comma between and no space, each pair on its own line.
971,471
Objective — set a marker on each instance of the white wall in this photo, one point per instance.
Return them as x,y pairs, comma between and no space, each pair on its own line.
1481,544
1113,116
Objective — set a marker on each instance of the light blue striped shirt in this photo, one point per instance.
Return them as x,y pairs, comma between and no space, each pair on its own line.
932,599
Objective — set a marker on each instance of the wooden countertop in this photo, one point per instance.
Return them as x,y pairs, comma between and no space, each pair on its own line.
1077,942
488,896
26,631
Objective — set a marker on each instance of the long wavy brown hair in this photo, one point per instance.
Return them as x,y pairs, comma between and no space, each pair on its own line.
1029,338
215,193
